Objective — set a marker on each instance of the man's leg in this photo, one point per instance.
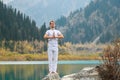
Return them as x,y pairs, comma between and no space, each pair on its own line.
50,56
55,60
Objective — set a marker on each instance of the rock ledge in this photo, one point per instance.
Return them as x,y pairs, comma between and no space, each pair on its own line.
88,73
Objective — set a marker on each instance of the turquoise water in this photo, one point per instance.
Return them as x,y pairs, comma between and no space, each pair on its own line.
36,70
46,62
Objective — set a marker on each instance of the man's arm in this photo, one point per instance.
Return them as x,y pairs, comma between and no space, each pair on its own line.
48,37
60,36
51,37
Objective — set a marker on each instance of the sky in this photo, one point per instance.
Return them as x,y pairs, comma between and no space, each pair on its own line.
6,1
44,10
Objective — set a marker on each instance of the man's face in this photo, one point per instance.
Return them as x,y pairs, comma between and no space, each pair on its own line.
52,25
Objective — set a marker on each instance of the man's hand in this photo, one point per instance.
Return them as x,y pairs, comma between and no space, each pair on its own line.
53,34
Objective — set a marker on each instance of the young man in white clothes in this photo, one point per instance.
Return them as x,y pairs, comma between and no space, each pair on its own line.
53,35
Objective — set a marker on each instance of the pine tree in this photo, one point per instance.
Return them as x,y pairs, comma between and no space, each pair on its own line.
42,32
16,26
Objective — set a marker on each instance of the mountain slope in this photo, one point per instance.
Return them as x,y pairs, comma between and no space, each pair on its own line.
44,10
98,22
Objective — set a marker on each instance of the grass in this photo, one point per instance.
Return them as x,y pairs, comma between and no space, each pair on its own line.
67,51
13,56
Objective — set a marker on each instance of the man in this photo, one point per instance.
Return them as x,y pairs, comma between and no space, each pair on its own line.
53,35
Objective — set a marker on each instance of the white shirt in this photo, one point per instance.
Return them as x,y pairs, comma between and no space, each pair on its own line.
53,42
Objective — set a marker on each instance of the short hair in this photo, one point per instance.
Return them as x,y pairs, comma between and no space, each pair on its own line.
51,21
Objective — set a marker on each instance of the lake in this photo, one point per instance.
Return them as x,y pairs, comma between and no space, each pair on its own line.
36,70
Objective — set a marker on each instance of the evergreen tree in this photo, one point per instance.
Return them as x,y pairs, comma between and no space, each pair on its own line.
42,32
16,26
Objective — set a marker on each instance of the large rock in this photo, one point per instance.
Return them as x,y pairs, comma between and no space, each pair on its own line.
52,76
88,73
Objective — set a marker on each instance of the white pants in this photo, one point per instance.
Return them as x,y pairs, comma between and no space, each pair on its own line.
53,58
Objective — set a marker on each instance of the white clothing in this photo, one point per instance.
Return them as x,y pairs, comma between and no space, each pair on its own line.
53,58
53,42
53,49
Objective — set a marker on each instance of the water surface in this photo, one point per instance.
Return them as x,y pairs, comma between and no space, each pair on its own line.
36,70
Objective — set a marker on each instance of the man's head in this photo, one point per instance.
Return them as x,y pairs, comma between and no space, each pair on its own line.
52,24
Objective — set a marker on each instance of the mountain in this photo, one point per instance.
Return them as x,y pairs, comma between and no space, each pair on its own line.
97,22
45,10
16,26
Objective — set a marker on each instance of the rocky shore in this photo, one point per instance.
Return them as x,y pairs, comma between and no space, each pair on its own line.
88,73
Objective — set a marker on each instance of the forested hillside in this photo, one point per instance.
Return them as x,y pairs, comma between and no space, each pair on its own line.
16,26
98,22
19,33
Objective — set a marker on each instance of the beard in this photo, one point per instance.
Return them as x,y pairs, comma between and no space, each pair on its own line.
52,26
